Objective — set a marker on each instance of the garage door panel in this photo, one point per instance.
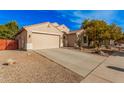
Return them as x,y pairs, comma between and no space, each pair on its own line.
45,41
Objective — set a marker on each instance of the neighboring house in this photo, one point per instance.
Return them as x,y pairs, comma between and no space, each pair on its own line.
46,35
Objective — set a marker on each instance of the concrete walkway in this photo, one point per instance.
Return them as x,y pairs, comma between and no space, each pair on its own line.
112,70
79,62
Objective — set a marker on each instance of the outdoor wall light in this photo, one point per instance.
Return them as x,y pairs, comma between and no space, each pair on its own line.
29,36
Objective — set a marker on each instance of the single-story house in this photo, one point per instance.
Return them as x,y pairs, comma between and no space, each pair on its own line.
46,35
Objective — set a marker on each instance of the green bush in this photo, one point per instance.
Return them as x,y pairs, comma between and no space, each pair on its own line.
9,30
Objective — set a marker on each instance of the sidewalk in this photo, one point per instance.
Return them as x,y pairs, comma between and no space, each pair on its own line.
112,70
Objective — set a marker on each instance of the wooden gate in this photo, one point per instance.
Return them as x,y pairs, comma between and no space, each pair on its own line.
8,44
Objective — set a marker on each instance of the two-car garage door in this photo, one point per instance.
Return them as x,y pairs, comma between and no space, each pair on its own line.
45,41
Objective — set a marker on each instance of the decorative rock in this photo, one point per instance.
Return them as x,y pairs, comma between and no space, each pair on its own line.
103,54
81,48
28,54
11,61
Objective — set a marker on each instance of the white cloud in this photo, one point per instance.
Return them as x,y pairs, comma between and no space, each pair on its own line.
77,16
102,15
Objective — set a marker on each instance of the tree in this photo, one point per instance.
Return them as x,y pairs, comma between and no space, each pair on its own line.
9,30
99,31
94,30
116,32
122,36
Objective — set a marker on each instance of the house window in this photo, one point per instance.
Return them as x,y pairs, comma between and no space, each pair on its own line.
85,39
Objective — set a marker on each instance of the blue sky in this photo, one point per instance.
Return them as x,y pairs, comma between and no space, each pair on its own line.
71,18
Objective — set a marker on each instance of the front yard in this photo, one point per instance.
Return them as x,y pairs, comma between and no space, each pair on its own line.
31,67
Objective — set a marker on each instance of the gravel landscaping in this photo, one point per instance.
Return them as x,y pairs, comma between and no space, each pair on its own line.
31,67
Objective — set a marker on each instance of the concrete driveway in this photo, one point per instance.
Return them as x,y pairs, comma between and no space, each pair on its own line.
79,62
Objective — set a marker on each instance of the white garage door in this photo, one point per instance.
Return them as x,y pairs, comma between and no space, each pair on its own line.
44,41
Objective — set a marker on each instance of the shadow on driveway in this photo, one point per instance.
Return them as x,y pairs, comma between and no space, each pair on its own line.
116,68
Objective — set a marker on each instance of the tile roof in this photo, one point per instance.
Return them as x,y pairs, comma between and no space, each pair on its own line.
75,31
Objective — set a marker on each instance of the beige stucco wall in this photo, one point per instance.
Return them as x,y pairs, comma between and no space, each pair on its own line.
22,40
71,39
